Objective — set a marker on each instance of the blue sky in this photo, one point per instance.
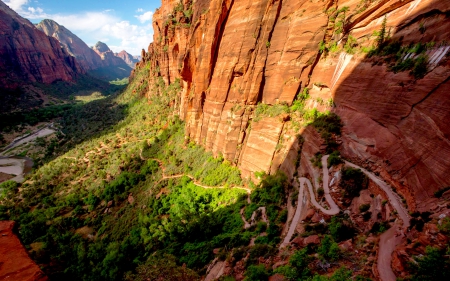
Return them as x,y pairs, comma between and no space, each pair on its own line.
121,24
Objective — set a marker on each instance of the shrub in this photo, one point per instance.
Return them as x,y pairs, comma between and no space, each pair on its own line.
440,192
434,265
379,228
353,181
364,207
341,229
256,272
297,269
334,159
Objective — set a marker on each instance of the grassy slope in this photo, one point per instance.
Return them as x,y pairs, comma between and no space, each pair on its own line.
64,210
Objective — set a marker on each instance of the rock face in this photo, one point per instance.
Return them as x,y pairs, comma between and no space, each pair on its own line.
232,55
87,58
108,56
100,56
127,58
15,264
27,54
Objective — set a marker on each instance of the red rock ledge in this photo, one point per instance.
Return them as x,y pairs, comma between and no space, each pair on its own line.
15,264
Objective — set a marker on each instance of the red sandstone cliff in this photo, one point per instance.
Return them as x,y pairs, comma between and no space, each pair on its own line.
232,54
27,54
15,264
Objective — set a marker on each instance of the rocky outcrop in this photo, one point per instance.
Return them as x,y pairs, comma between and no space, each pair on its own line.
108,56
27,54
87,58
15,264
232,55
127,58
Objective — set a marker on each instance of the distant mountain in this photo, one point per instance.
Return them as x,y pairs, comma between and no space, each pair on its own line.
115,66
127,58
29,55
86,57
99,61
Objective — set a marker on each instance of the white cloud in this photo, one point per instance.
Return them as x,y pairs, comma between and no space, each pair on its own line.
15,4
140,10
147,16
35,10
97,26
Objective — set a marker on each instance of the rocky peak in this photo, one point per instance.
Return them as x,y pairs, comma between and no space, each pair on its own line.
101,47
29,55
72,44
127,58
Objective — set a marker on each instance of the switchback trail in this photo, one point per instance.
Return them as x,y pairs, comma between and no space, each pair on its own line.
389,239
334,209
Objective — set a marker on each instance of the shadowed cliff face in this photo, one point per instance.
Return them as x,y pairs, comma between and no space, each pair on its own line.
232,55
27,54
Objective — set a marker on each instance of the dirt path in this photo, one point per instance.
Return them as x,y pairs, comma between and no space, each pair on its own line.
164,177
301,201
389,239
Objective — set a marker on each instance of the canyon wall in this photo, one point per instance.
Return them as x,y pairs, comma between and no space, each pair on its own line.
27,54
87,58
231,56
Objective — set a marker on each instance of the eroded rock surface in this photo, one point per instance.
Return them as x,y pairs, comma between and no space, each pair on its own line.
15,264
27,54
231,55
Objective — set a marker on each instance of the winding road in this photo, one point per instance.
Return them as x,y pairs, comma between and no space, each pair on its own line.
388,240
334,209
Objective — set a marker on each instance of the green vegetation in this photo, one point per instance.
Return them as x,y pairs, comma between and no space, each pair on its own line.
256,272
297,269
440,192
162,267
434,265
329,125
334,159
401,57
353,181
364,207
328,249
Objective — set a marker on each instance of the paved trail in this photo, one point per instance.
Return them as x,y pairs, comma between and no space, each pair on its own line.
388,240
301,201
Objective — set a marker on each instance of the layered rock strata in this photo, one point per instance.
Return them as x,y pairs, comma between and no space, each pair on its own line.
232,55
86,57
27,54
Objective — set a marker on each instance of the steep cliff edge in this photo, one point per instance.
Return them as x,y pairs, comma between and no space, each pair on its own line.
27,54
15,264
382,66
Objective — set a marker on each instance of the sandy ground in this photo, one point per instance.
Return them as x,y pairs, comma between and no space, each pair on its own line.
13,166
19,166
38,134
